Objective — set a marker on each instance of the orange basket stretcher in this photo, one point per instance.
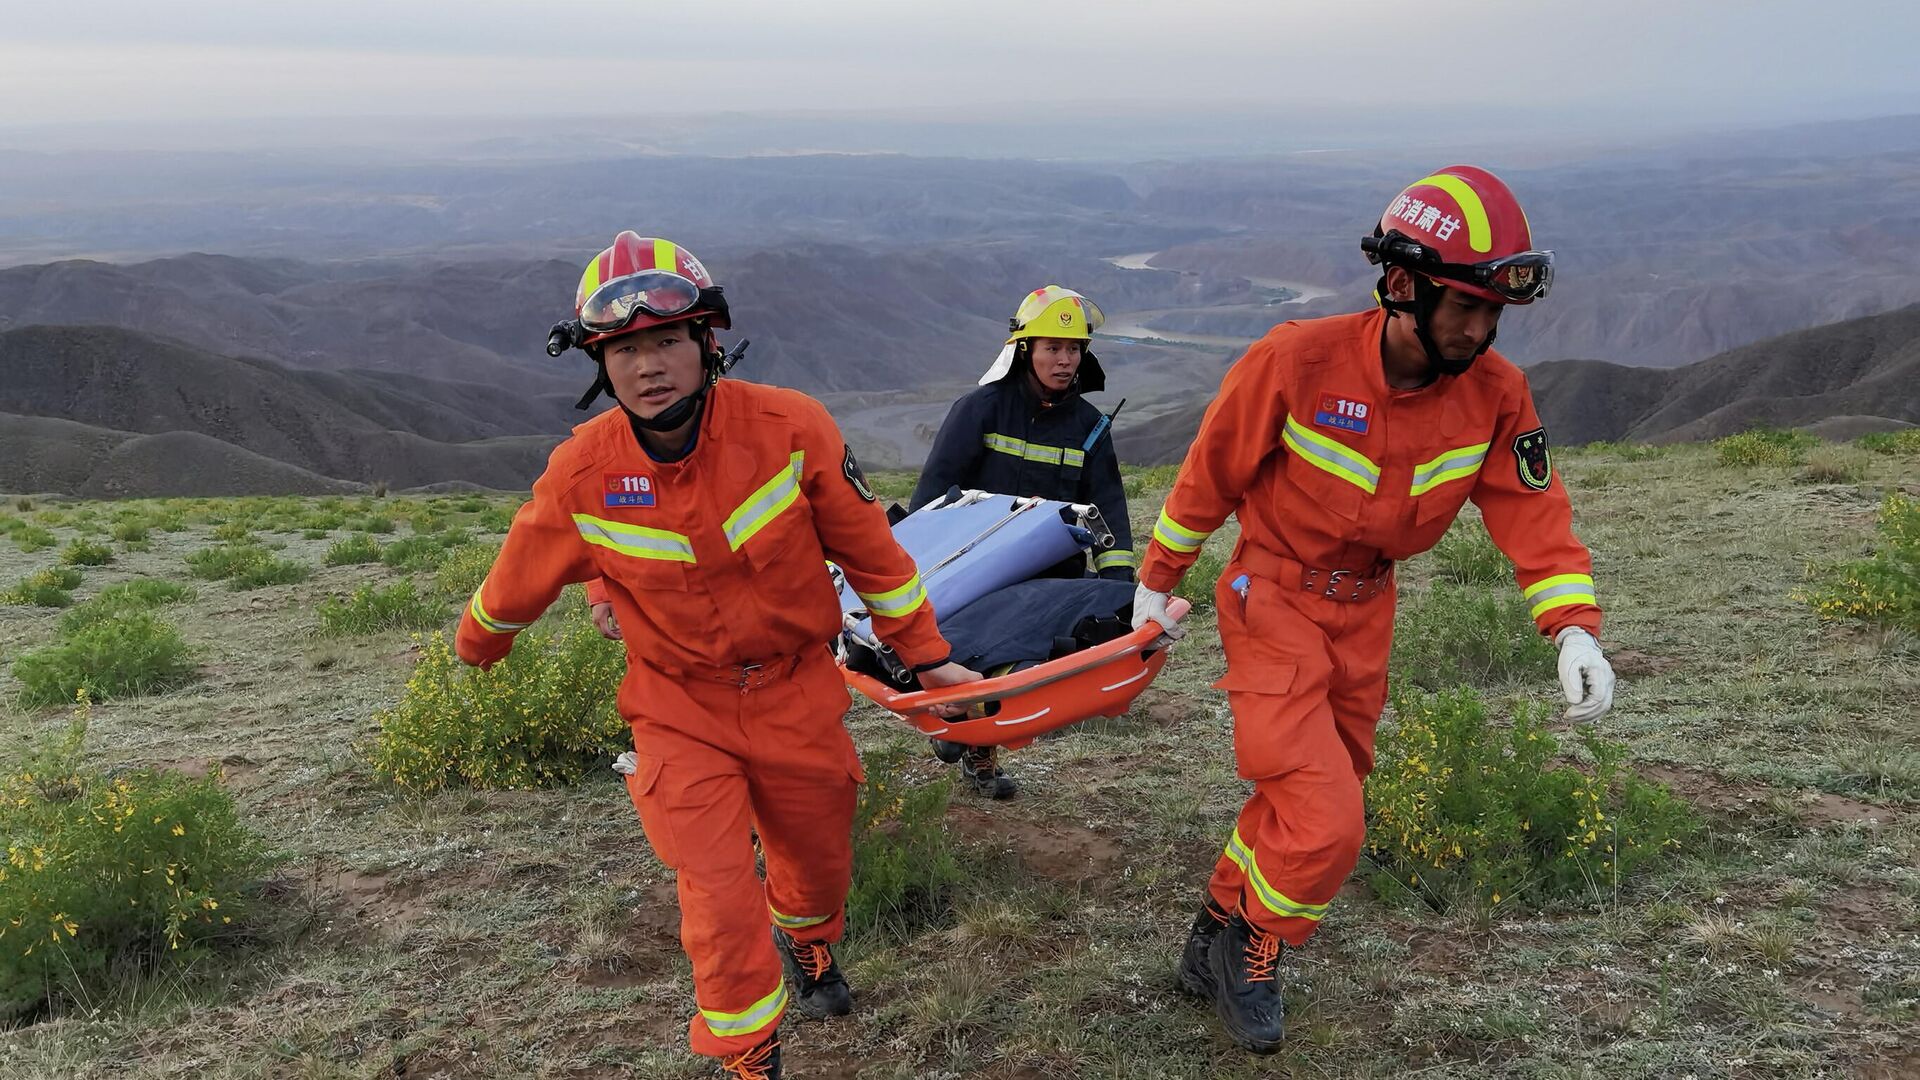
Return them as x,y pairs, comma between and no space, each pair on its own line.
967,545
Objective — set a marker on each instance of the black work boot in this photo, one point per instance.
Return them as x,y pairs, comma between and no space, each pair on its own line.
1245,991
760,1063
948,752
1196,968
820,990
981,766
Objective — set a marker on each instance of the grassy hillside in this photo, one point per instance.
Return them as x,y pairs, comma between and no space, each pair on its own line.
488,933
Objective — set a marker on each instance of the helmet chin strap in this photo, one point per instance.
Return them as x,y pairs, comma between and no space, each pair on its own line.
681,411
1426,297
673,415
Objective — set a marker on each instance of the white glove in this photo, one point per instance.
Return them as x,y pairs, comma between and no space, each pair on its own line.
627,763
1585,675
1148,604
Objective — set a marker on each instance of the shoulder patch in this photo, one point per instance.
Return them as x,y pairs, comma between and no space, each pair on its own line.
857,478
1532,459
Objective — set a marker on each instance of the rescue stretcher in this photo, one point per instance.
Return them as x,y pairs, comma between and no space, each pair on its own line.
969,544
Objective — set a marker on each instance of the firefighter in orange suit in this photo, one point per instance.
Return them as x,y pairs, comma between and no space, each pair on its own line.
710,507
1343,444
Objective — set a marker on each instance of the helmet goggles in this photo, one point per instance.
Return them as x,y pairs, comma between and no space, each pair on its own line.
1516,279
659,293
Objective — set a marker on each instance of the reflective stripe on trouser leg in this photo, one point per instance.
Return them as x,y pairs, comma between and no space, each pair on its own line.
694,794
737,980
1298,838
804,791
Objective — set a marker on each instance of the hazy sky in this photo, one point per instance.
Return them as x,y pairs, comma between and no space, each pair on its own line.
187,60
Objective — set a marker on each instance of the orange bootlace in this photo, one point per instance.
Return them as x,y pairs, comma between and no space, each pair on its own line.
1263,953
984,759
814,958
755,1064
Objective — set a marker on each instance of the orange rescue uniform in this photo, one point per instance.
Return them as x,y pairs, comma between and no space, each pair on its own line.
716,568
1333,476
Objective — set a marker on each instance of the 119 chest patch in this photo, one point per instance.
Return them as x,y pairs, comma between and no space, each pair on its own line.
627,489
1343,413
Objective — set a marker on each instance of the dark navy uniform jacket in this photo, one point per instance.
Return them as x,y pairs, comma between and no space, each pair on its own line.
1002,438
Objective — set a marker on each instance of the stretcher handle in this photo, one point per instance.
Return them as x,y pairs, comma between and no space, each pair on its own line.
1148,638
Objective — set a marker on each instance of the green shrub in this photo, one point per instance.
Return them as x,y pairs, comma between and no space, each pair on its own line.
129,531
33,538
427,522
544,715
269,571
113,601
1460,636
495,519
1463,808
23,504
371,611
904,869
223,561
422,553
355,549
111,877
52,587
1764,446
130,654
464,568
151,592
245,565
1884,587
1466,556
374,523
1904,441
1834,465
236,531
86,553
1138,482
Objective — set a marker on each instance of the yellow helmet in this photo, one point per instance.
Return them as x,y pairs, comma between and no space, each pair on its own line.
1055,312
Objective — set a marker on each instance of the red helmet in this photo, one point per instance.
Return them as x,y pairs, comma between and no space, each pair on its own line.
1463,227
642,281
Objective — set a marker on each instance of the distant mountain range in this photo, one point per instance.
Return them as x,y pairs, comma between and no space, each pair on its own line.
821,317
1864,372
110,412
382,321
106,412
